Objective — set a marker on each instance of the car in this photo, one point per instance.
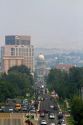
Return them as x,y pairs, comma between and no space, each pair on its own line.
60,115
32,110
51,116
63,123
3,108
18,107
44,110
25,102
24,108
43,122
62,120
51,106
11,109
59,122
55,107
52,123
42,114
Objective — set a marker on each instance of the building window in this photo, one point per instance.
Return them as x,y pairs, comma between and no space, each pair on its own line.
17,42
12,51
16,51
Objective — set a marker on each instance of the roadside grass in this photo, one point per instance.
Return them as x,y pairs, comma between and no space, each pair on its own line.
70,120
62,105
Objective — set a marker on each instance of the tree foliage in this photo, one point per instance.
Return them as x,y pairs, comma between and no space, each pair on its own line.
21,69
17,82
77,110
66,84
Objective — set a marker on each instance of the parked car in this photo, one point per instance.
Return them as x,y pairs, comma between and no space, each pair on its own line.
24,108
18,107
3,108
11,109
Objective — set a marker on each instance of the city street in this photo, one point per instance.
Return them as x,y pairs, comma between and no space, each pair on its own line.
48,107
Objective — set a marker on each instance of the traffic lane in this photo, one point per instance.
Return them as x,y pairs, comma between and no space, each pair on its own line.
45,104
48,120
52,118
48,105
43,118
48,101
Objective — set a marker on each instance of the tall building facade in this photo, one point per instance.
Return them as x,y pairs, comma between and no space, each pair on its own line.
17,51
17,40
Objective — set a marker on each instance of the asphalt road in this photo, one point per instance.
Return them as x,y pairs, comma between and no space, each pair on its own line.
45,106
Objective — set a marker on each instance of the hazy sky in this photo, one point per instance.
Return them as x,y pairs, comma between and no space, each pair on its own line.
51,23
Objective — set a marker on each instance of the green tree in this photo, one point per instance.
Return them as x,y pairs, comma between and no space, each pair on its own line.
77,110
17,82
66,84
6,90
57,81
21,69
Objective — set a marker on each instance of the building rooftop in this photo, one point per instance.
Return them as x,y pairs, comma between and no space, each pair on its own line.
65,67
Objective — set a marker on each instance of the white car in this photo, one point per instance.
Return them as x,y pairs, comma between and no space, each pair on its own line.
51,116
11,109
51,106
52,123
63,123
43,122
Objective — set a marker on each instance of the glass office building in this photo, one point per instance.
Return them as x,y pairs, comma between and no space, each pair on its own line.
17,40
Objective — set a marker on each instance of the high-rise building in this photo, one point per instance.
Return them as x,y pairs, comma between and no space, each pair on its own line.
17,40
17,51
